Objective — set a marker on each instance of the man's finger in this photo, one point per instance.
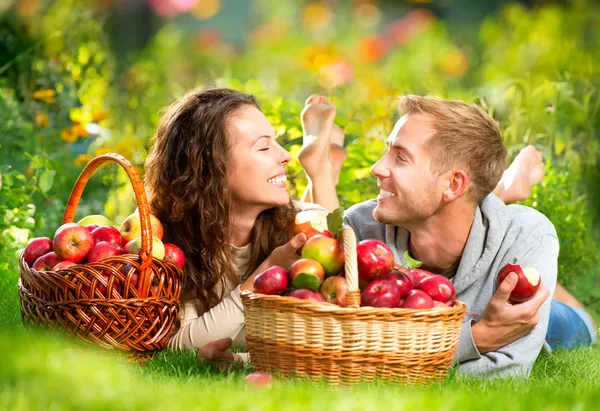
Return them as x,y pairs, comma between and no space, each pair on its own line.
537,300
506,287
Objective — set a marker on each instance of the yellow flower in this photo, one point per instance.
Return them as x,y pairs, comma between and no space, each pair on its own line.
67,135
41,119
82,159
46,95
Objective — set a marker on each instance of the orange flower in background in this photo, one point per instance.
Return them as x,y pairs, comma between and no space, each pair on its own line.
316,16
373,48
455,63
336,74
99,116
41,119
414,23
82,159
316,57
79,130
46,95
270,31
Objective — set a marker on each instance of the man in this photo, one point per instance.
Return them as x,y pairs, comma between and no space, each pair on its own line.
444,161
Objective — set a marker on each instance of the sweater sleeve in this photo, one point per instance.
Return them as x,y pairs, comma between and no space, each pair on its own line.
515,359
224,320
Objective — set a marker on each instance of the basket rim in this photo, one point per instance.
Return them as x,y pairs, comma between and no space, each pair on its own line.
326,307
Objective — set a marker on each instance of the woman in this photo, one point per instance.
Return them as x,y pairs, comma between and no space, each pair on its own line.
216,179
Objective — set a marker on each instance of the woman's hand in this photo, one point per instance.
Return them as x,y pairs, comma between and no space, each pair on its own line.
219,353
283,256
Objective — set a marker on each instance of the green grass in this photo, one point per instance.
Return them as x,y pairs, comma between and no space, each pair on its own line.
43,371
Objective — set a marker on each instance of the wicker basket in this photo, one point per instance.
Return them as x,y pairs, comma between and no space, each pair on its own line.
136,319
350,344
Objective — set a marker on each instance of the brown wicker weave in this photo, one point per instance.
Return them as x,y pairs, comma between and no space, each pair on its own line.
350,344
97,303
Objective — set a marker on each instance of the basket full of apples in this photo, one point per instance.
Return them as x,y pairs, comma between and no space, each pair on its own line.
346,313
109,287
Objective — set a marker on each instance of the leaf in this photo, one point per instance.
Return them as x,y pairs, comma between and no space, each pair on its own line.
335,220
46,180
411,262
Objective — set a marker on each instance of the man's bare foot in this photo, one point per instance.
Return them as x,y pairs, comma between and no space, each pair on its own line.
525,171
317,123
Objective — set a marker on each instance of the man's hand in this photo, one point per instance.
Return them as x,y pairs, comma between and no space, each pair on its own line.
502,322
283,256
218,352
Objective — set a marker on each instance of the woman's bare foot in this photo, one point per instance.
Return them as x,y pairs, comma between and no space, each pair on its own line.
317,124
525,171
338,153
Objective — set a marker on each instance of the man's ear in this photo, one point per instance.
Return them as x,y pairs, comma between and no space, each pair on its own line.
458,184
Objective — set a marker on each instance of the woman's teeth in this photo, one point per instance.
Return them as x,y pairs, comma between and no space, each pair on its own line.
383,193
277,180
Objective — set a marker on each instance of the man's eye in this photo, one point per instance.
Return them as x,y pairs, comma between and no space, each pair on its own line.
264,149
400,158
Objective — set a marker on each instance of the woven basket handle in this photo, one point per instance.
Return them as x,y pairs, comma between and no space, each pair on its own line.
140,195
351,266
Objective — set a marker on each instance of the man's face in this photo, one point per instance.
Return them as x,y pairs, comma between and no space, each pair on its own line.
409,192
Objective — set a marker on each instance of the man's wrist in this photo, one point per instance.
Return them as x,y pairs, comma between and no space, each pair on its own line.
480,333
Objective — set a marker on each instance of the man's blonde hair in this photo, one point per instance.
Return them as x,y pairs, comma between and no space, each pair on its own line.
465,136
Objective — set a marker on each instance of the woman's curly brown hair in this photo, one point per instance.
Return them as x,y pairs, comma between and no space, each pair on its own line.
186,179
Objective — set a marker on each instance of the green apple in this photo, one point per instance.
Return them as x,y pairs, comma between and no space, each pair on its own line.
96,219
132,227
135,245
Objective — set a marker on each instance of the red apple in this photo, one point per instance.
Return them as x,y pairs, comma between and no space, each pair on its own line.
528,282
63,264
272,281
310,222
375,259
174,255
305,294
259,379
36,248
439,304
334,290
306,273
329,252
91,227
46,262
103,250
381,292
72,242
108,234
418,300
439,288
417,275
402,280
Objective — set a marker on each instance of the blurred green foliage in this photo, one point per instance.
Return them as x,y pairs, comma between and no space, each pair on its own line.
65,97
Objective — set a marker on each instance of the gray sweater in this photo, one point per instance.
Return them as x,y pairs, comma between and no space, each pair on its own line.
500,234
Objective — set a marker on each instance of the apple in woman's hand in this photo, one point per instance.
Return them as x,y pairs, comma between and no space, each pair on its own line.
528,282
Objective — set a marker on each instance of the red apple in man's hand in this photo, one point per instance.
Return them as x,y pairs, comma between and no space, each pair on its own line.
259,379
63,264
103,250
402,280
329,252
374,258
272,281
528,282
305,294
439,288
108,234
417,275
381,292
334,290
417,299
174,254
46,262
36,247
72,242
306,273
